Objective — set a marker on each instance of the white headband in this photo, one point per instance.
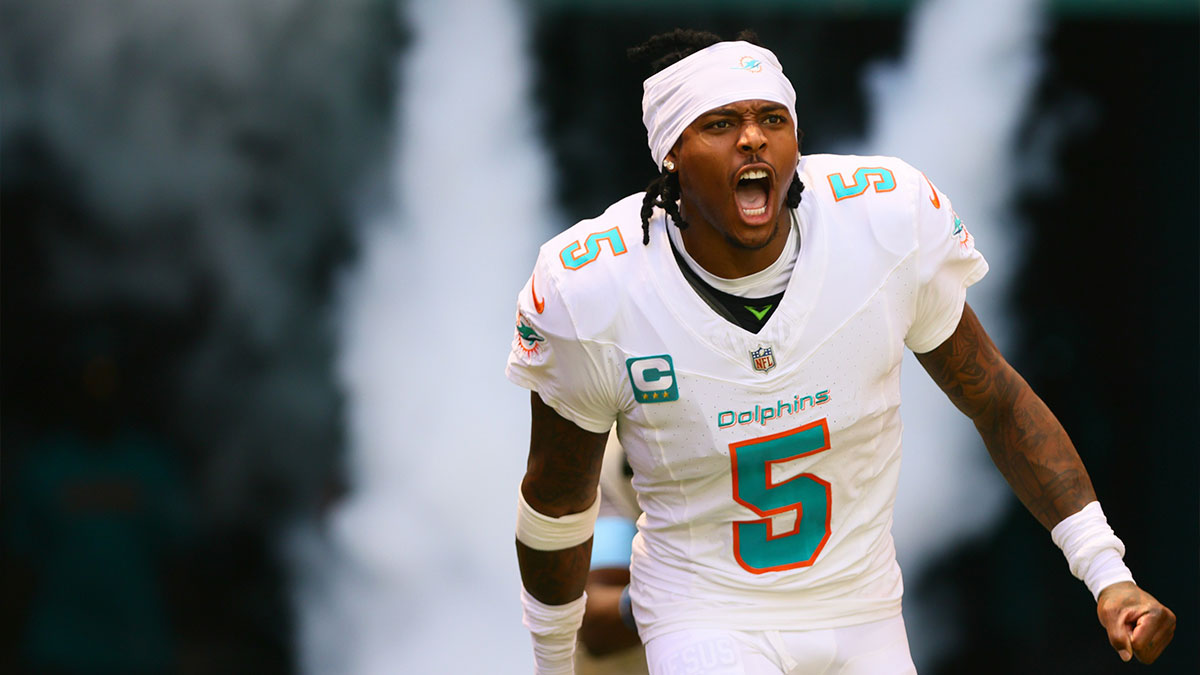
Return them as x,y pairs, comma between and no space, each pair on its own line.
723,73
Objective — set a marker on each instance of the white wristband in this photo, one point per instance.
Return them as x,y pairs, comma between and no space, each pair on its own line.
553,628
543,533
1093,551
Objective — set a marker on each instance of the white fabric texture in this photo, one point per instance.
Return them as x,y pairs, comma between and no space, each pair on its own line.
1092,549
947,266
876,648
723,73
618,498
553,629
562,368
768,281
541,532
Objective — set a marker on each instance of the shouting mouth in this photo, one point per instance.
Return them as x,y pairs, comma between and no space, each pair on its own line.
752,191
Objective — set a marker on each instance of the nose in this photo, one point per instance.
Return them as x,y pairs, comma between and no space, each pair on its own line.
752,139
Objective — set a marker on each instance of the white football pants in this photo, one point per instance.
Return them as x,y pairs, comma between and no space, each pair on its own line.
877,648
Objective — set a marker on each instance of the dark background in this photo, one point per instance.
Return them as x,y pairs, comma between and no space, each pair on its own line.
121,316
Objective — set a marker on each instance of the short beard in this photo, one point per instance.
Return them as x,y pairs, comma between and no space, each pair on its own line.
755,247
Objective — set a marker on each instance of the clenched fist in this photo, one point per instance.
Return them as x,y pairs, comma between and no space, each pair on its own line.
1137,624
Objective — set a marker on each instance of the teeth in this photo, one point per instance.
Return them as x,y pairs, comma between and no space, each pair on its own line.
755,212
753,174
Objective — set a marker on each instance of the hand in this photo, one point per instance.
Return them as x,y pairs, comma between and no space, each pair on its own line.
1137,624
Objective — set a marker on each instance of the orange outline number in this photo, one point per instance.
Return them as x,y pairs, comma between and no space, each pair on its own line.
757,547
883,181
572,259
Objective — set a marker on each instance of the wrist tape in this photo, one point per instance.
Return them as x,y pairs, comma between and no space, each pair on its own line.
1093,551
553,628
543,533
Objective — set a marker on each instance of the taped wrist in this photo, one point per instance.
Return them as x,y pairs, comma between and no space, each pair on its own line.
1093,551
543,533
553,628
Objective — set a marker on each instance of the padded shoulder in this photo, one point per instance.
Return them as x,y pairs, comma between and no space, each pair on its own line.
878,191
594,263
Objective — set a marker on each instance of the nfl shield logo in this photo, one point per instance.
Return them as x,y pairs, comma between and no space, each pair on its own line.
763,359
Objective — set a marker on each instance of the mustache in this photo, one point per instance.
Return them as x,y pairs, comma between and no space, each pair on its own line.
751,160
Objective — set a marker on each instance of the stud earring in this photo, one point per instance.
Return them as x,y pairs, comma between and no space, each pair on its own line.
668,165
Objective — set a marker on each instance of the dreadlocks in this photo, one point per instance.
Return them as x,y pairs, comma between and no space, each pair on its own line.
661,51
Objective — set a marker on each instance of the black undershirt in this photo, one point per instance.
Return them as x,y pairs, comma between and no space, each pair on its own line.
749,313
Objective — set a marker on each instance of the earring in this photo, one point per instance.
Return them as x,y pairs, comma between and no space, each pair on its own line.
668,165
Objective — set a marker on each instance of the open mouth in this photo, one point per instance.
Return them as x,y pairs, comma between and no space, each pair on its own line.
752,191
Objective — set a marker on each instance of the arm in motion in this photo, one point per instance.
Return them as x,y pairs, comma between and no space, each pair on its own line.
1031,449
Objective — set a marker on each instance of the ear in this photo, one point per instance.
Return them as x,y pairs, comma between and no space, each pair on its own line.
672,159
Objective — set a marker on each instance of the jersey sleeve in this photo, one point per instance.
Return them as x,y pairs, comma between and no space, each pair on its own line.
947,263
549,357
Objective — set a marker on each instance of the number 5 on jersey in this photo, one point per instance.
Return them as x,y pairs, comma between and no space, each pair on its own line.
573,258
757,546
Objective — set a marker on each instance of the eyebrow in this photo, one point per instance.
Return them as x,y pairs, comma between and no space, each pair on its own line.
720,111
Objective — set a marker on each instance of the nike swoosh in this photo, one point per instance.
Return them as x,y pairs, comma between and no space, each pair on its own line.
759,313
539,305
935,200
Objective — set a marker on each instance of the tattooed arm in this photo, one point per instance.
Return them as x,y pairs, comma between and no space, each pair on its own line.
1025,440
1031,448
560,478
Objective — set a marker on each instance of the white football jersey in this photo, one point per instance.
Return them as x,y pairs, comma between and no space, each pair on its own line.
765,464
617,496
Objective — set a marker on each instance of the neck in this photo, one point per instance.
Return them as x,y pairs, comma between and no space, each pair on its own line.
725,257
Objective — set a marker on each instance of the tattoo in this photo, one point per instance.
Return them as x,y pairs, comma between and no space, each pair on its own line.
1025,440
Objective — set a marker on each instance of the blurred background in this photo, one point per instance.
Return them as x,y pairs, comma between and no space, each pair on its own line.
259,264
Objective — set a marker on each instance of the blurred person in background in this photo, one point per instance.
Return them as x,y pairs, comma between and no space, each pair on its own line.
609,634
96,532
765,545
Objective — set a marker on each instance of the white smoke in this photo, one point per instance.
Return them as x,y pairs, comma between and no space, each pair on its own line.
417,573
952,106
200,152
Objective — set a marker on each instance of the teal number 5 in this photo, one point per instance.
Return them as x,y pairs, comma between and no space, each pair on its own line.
573,258
756,545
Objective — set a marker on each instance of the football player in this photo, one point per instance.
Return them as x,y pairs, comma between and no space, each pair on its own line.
742,322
